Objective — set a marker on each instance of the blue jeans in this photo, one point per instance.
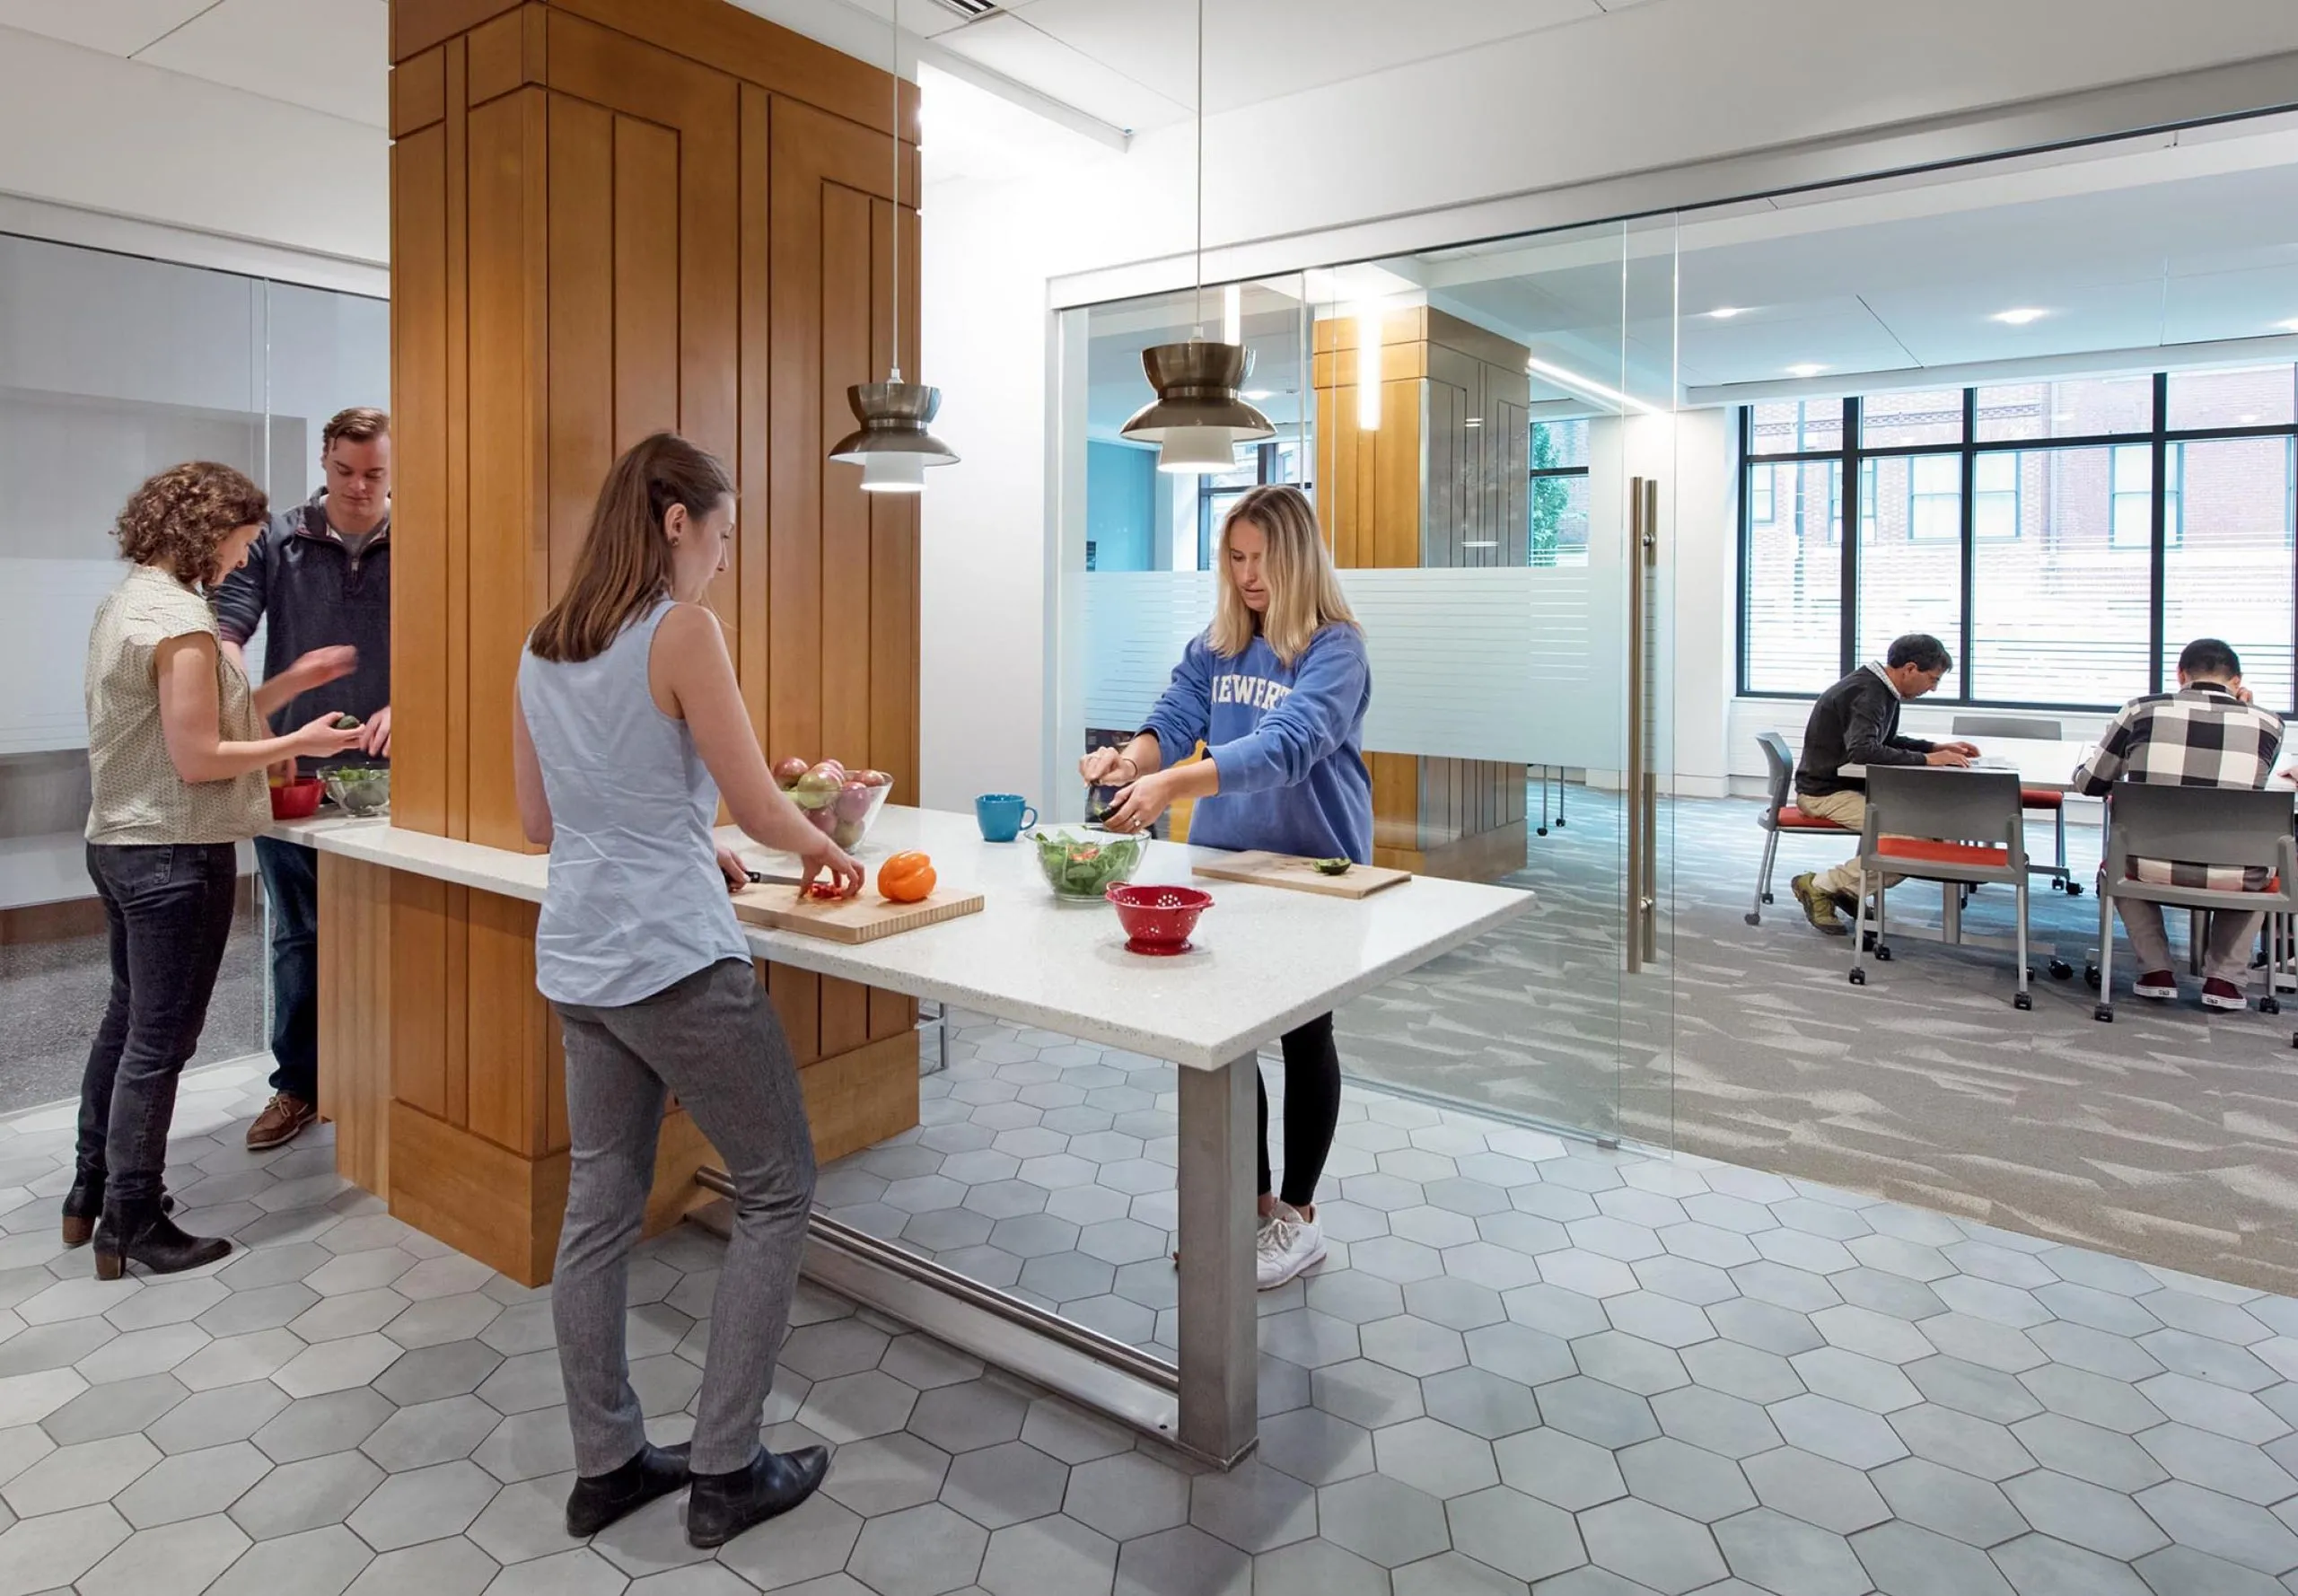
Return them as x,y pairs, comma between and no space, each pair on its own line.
291,880
169,910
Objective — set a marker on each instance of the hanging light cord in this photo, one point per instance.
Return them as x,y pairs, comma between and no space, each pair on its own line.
1200,167
894,363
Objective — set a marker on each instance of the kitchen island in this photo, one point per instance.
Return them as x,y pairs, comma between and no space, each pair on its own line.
1264,960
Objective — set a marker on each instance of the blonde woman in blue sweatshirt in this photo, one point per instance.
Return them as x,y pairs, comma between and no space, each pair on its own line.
1276,688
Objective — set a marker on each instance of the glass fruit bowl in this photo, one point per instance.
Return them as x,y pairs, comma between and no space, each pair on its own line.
842,804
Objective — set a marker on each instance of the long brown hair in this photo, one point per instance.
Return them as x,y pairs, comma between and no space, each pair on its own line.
625,565
1304,596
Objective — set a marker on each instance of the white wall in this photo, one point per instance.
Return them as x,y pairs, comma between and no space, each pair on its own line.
82,128
1667,84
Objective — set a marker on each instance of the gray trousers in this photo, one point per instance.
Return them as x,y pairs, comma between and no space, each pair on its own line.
713,1040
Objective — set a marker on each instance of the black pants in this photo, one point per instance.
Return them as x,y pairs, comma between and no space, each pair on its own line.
291,880
1312,1110
169,909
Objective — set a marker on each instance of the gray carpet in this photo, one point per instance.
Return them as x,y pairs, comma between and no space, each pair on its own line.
2170,1134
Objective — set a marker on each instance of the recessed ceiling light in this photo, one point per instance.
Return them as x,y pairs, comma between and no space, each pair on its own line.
2020,317
1726,312
2289,326
1806,370
2247,420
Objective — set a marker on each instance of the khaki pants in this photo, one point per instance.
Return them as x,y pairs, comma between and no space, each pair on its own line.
2227,956
1847,808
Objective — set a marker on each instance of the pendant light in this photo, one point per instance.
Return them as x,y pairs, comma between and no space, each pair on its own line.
1197,418
891,445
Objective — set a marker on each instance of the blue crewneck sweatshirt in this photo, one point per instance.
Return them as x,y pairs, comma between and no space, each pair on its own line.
1287,742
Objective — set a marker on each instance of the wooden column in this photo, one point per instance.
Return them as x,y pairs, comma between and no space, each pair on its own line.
1444,481
610,217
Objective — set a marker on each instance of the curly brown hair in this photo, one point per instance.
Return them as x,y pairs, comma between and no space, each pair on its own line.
178,518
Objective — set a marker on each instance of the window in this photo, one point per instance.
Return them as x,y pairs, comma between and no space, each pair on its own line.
2059,612
2214,581
1558,534
1935,498
1995,498
2026,540
1792,598
1910,561
2133,522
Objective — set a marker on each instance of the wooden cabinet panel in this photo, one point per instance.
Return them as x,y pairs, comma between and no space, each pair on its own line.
611,218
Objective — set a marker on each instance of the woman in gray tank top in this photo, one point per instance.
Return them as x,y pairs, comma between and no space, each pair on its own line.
628,725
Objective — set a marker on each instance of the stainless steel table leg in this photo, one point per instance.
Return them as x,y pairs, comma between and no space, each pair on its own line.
1950,912
1220,1373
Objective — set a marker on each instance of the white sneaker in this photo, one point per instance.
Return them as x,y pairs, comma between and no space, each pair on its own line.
1287,1244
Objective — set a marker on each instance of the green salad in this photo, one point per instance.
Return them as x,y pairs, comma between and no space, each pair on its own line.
1085,866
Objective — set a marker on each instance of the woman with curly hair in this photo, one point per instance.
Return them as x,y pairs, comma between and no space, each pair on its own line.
176,756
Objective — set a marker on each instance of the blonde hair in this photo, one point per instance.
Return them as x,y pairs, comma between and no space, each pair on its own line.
1304,594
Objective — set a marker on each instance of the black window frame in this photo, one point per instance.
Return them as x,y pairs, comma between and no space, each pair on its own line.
1853,458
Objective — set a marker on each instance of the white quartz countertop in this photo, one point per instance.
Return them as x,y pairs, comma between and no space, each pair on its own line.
1265,959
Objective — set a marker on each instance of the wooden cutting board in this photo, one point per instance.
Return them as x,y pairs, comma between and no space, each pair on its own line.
1282,870
863,920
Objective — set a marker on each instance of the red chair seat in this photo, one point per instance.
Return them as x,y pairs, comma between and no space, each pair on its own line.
2041,798
1942,853
1792,819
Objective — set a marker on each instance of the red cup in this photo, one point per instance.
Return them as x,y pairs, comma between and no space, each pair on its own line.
297,800
1158,919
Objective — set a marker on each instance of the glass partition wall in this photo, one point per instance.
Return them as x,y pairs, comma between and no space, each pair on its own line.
113,367
1487,433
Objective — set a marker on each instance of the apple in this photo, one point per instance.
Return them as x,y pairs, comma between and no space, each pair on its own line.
846,834
786,773
874,778
823,819
816,788
854,800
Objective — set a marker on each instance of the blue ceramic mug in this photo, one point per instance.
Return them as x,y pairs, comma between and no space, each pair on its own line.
1003,816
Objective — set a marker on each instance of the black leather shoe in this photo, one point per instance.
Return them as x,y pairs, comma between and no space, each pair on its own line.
144,1235
597,1500
720,1506
84,1205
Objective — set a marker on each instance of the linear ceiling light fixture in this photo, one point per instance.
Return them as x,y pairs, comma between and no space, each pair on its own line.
892,445
1198,418
2020,316
1564,377
1726,312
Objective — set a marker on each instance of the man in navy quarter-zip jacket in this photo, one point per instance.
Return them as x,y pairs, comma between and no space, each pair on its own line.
1856,721
319,577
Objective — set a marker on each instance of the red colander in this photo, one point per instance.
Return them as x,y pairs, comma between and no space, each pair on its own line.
1158,919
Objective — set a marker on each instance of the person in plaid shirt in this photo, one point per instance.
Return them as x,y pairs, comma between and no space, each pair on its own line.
2207,735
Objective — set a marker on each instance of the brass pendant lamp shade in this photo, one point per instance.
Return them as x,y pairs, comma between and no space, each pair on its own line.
891,445
1198,418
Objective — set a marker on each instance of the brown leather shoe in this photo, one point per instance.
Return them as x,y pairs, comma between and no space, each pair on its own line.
283,1120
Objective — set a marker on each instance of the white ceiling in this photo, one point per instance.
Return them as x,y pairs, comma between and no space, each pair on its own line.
1133,63
330,55
2131,253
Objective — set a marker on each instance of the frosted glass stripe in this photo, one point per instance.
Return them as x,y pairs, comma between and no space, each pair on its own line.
45,609
1516,664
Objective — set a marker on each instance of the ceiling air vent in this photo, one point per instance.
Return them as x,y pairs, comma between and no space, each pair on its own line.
969,9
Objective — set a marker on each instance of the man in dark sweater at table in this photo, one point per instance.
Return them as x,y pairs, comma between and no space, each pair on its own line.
319,576
1856,721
